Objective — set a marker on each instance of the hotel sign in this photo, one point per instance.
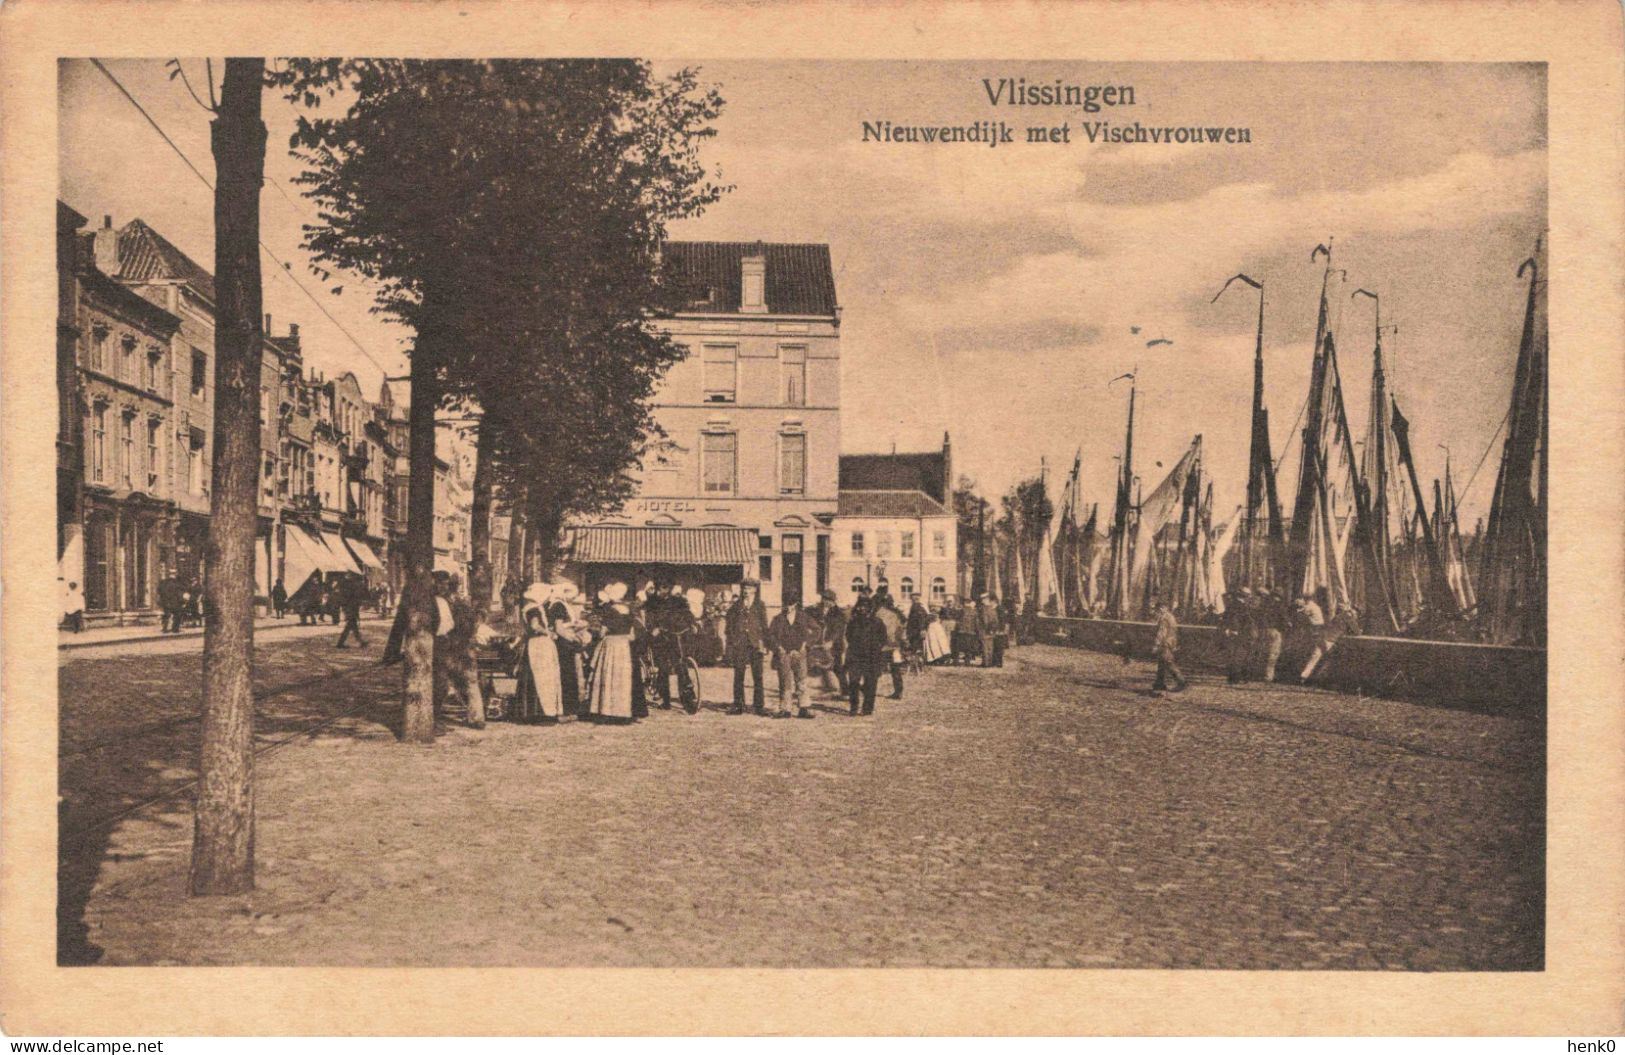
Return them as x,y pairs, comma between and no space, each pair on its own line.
664,505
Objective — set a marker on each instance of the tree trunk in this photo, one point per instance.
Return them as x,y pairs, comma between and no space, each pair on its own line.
518,539
479,571
546,528
418,688
223,835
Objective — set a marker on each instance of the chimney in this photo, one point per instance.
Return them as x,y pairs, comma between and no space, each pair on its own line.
753,280
293,330
947,471
104,248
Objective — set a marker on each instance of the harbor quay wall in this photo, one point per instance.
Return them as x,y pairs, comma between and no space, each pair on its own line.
1489,679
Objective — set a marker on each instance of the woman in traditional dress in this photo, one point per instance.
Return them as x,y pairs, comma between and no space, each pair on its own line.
539,698
613,678
938,648
571,636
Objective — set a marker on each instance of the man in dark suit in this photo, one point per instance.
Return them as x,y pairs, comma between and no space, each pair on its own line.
832,622
669,620
867,654
352,592
747,644
171,602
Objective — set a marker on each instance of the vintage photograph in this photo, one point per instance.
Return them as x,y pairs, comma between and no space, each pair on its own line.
801,514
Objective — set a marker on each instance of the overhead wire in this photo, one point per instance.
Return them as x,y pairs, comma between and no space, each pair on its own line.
285,269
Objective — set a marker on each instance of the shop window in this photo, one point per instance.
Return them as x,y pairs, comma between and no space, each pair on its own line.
907,587
721,367
97,563
792,463
857,543
857,584
908,544
939,590
720,456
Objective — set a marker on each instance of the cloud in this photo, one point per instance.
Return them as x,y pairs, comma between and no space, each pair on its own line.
1151,257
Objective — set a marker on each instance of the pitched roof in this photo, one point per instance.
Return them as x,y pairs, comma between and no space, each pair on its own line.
800,279
908,505
144,254
895,472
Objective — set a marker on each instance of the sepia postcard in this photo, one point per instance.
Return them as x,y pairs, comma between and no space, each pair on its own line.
711,518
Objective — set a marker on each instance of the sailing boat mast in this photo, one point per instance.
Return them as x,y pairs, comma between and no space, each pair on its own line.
1260,466
1377,444
1512,575
1303,509
1125,484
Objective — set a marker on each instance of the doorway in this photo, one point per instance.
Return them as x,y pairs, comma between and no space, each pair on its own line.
790,557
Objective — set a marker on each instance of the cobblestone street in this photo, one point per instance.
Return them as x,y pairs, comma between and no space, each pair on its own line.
1050,814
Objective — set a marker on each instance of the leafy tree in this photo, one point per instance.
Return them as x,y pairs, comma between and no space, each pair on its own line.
976,519
511,213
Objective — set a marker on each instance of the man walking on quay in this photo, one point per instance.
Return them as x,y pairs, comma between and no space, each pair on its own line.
1240,630
791,634
747,643
865,656
1270,618
832,626
352,593
892,619
989,623
1166,647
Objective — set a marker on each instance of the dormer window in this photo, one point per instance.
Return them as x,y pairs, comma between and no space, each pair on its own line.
753,284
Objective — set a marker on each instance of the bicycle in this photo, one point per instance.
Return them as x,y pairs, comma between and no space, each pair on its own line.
687,668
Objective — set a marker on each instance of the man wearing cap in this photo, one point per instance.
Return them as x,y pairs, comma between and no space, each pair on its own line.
747,644
866,656
832,627
1166,649
989,622
790,636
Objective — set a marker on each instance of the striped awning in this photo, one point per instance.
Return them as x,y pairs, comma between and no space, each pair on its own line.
363,554
674,545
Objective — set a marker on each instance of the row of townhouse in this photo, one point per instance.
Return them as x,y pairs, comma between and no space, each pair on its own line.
135,378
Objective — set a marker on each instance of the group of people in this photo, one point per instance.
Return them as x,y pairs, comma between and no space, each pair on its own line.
179,603
337,597
590,660
1258,626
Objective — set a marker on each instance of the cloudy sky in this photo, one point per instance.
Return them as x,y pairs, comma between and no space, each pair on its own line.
993,292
